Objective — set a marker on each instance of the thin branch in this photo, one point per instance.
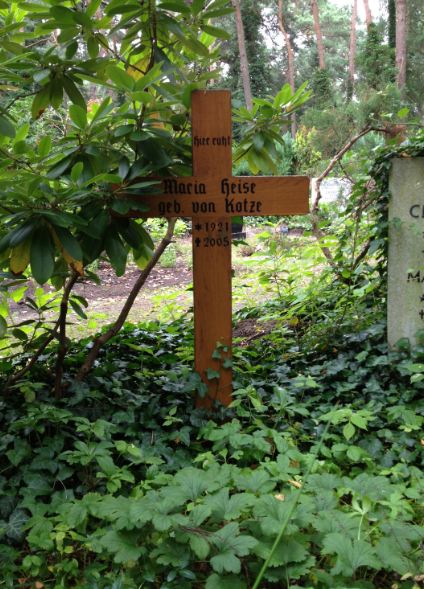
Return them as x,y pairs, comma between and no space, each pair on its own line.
53,334
100,341
63,341
315,207
338,157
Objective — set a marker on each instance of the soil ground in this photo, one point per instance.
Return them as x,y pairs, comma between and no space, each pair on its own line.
166,295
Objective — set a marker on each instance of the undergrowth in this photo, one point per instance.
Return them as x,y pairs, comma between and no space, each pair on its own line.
123,484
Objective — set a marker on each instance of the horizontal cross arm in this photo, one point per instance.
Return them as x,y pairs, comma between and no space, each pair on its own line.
227,196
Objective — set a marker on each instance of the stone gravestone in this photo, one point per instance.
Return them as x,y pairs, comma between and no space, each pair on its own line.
405,297
211,197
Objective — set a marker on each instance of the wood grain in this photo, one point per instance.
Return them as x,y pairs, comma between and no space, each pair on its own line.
211,118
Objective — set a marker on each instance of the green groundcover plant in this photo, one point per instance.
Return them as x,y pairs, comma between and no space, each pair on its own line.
123,484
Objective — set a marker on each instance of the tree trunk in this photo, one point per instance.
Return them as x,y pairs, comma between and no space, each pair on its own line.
391,10
352,51
244,65
401,43
290,60
368,15
318,34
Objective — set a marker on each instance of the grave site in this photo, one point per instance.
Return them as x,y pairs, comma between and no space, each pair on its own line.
211,301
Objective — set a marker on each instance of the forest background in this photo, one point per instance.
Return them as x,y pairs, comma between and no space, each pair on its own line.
109,477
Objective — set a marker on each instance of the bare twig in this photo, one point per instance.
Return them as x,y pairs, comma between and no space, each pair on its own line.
317,196
100,341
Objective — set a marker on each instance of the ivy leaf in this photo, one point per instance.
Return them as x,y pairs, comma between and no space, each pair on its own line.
349,431
351,554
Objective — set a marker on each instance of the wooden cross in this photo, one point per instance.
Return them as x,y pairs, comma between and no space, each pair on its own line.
211,197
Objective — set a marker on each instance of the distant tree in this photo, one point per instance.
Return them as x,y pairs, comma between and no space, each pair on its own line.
290,58
244,64
401,33
318,34
368,15
352,50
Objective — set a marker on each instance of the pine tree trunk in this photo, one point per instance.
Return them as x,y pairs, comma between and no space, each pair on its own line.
244,65
401,43
391,10
368,15
317,28
352,51
290,60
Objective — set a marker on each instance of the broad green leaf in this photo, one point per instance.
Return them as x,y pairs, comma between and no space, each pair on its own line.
20,234
78,116
6,127
216,32
42,255
349,431
77,171
60,167
199,545
40,102
3,327
116,251
68,243
44,146
123,545
92,47
351,554
72,91
62,15
120,77
226,562
56,92
19,258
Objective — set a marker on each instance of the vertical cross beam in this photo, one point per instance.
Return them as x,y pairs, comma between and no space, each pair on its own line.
212,157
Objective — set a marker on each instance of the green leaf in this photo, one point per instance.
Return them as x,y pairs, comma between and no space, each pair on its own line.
40,102
6,127
215,581
69,243
72,91
349,431
122,545
92,47
60,167
3,327
62,15
78,116
42,255
226,562
216,32
200,546
120,78
44,146
351,554
117,252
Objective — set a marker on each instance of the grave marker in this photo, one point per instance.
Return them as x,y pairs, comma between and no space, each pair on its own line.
405,296
211,197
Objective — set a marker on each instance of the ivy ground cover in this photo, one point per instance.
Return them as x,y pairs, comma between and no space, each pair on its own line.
122,484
